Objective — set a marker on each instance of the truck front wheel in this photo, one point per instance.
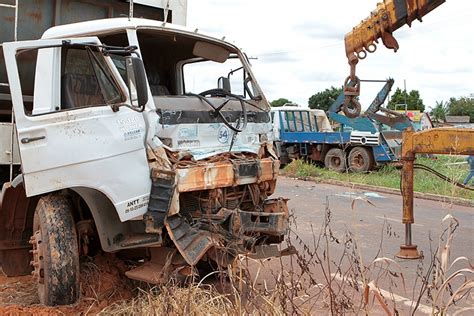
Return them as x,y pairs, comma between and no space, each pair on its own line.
360,159
55,251
335,159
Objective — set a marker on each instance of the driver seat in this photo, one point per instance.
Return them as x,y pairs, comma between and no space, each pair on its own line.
155,87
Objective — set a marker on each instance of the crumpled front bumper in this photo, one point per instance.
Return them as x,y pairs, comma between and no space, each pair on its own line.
230,231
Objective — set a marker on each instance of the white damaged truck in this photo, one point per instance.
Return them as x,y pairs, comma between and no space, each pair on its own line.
132,136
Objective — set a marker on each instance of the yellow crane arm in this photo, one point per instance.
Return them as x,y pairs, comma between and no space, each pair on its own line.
389,16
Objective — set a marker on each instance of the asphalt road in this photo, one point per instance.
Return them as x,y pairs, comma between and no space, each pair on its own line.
308,202
371,217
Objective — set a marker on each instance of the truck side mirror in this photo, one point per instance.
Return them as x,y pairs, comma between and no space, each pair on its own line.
137,82
224,84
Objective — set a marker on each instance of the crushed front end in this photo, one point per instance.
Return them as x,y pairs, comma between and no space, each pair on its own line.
213,166
218,207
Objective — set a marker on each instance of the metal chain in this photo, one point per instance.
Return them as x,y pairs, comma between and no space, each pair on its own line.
352,107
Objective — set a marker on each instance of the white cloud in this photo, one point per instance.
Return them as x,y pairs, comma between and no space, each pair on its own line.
300,49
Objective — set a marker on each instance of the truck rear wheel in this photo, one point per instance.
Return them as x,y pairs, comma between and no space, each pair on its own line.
360,159
55,251
335,159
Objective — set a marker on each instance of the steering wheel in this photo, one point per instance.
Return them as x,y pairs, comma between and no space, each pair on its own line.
217,92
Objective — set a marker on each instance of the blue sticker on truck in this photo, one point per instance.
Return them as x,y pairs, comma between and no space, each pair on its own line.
223,135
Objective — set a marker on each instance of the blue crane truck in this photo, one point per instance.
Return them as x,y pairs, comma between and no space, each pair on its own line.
360,144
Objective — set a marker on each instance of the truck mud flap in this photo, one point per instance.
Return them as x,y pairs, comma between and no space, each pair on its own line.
191,242
16,222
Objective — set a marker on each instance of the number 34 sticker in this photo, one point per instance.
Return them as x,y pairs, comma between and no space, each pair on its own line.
223,135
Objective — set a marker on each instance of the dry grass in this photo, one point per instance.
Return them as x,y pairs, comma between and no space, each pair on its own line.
174,300
446,281
328,275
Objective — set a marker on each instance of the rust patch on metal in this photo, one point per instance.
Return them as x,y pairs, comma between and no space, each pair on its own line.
272,221
202,176
35,15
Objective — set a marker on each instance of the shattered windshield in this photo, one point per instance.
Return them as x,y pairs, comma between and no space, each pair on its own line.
205,75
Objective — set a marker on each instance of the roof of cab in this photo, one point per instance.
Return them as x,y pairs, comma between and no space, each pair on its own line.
96,27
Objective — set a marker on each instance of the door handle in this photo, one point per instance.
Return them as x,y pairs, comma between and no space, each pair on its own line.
27,140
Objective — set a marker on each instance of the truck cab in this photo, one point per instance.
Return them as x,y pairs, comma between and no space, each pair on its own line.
139,135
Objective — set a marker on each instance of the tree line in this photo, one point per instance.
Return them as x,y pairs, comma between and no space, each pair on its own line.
454,106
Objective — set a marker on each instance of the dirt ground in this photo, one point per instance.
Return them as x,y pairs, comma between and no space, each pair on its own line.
102,284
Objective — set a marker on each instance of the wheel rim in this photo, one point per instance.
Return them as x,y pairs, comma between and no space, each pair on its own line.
336,161
357,161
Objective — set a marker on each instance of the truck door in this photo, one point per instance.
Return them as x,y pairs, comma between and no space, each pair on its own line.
78,133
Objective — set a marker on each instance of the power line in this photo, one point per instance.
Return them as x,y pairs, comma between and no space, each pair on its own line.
338,43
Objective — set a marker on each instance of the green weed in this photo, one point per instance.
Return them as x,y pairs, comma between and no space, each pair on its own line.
389,176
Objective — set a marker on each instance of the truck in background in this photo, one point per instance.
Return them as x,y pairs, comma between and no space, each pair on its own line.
130,136
360,144
303,133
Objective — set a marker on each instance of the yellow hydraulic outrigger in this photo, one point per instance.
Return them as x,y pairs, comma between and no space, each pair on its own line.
389,16
454,141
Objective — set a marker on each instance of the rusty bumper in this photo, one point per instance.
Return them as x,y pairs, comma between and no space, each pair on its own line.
226,173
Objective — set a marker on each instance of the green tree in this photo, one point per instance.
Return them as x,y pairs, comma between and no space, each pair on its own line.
461,106
414,102
438,112
279,102
324,99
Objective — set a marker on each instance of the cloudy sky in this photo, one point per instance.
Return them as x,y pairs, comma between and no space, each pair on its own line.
300,46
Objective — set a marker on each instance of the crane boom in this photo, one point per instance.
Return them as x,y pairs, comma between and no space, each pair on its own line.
388,17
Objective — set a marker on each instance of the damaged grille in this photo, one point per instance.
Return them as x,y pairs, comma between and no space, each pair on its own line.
244,197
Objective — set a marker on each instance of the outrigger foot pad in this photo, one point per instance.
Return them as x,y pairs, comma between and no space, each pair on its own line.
408,252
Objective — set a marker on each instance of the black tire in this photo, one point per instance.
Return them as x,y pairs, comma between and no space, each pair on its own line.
282,154
56,238
361,159
335,159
